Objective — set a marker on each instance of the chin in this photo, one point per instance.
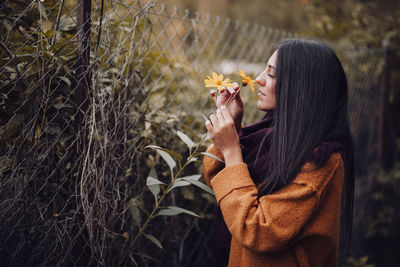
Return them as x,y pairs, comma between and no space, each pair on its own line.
263,107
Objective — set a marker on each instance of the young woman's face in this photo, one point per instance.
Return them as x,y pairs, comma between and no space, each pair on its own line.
267,81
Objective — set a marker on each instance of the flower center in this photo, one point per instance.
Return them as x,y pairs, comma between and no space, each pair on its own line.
219,82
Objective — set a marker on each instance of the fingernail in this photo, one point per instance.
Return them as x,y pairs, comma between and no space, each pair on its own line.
223,107
218,110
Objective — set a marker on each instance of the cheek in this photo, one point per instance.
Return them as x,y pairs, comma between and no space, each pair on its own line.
268,102
271,88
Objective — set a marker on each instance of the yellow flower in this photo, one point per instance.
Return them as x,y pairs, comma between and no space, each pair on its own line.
246,80
218,81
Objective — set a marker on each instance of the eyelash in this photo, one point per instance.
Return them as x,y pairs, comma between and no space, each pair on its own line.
270,75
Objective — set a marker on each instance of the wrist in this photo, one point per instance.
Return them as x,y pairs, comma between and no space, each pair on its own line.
232,155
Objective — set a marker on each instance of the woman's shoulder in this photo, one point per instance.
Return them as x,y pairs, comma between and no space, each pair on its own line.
333,159
317,177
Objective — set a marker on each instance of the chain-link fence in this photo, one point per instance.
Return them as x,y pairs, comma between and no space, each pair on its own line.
85,86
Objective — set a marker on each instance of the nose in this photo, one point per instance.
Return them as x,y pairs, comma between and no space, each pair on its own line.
260,81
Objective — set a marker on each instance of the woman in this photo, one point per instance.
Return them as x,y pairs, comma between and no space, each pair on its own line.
287,182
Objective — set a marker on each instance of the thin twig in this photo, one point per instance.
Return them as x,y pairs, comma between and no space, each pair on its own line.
100,25
230,99
57,22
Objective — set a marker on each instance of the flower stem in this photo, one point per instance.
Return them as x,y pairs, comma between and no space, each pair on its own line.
230,99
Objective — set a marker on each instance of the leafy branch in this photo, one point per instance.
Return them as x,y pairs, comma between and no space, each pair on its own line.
154,185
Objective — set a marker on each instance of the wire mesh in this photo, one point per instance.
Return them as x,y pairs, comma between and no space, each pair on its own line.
70,162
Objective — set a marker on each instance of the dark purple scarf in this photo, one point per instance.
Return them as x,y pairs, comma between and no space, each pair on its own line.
250,138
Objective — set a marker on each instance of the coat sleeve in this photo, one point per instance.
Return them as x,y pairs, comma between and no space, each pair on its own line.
275,220
212,166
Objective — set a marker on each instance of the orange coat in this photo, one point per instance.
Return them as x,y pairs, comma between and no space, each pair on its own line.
297,225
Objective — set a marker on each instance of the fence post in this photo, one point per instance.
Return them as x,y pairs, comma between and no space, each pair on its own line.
83,72
81,98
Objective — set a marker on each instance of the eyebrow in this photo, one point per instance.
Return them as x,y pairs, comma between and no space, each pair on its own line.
272,67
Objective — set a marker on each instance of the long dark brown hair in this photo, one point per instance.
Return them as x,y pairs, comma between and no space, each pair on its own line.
311,108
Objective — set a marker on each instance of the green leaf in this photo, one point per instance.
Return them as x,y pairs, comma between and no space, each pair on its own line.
211,156
66,80
153,173
179,184
171,152
137,202
172,210
206,136
154,240
191,132
39,33
193,159
195,177
186,140
204,116
133,205
202,186
21,66
135,213
165,154
154,185
42,10
9,69
50,33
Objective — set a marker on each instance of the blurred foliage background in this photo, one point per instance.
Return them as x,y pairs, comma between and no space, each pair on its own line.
73,163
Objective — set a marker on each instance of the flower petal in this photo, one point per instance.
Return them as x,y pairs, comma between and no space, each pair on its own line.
209,81
214,76
251,86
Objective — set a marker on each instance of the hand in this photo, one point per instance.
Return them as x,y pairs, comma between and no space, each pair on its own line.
235,107
224,136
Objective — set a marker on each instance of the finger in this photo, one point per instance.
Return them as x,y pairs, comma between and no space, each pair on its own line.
214,121
225,93
226,114
220,116
233,88
209,127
